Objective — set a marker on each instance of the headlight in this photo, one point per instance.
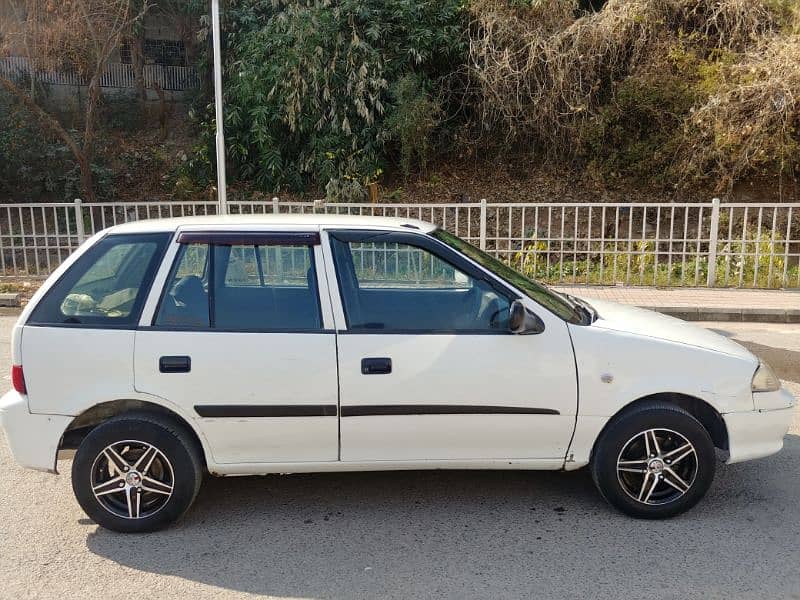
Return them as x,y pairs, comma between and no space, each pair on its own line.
764,379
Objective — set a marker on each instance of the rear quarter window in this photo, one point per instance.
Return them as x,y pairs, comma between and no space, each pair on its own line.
107,286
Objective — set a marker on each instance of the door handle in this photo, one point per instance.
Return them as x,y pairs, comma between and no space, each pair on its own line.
175,364
376,366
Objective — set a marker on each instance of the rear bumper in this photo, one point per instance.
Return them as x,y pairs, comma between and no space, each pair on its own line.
33,438
759,433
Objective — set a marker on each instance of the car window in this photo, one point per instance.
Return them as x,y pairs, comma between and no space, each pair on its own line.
242,267
242,287
382,265
397,286
186,302
556,302
107,285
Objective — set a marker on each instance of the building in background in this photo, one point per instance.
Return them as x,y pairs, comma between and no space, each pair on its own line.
159,57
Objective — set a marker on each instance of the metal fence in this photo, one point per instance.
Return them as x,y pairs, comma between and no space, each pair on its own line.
116,75
662,244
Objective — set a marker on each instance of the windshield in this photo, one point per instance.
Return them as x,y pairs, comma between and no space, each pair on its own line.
560,304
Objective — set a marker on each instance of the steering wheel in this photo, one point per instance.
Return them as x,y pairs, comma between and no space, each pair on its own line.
494,320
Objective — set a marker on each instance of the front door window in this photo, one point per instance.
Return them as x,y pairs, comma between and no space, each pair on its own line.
394,286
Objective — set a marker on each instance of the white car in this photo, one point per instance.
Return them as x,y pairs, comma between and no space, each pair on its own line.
272,344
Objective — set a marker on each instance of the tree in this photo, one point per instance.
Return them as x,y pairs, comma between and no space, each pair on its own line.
73,35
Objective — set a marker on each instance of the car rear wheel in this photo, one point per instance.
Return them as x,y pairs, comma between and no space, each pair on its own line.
136,473
654,462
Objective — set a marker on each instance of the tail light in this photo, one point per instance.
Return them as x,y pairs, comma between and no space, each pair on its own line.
18,379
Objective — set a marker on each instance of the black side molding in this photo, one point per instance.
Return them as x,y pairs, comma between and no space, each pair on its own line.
369,410
265,410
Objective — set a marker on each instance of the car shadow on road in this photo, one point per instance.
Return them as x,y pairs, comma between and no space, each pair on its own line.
470,534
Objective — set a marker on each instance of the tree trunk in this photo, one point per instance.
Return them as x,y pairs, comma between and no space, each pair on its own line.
82,158
162,110
87,179
93,95
137,60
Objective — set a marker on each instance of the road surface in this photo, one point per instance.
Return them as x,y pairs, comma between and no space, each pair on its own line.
419,534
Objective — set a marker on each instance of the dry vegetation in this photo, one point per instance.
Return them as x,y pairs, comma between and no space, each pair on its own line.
67,35
697,90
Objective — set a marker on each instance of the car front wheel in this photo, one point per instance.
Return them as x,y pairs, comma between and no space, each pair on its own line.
654,462
136,473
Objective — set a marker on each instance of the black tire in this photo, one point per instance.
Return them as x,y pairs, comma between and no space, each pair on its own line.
674,427
177,472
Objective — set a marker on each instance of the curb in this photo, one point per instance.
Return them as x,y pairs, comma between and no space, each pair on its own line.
744,315
10,299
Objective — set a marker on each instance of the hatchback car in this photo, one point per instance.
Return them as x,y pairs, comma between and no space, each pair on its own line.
161,350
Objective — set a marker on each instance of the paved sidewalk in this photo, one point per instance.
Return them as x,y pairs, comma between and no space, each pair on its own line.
702,304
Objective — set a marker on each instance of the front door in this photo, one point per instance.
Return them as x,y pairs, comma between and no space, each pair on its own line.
241,341
428,369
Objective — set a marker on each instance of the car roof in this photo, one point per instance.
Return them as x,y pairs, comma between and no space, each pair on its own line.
283,221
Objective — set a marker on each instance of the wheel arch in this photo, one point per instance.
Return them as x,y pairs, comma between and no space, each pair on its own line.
701,410
99,413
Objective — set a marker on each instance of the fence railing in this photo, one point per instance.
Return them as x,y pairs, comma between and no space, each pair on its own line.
116,75
661,244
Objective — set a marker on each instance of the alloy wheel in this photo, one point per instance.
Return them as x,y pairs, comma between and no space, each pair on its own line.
132,479
657,466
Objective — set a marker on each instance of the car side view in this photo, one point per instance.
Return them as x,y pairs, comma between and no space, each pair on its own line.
245,345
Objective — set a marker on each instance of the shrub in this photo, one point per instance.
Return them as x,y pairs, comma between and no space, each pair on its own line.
312,88
672,92
751,123
36,166
636,263
412,122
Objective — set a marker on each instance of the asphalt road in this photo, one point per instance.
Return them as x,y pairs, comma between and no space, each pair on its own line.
419,534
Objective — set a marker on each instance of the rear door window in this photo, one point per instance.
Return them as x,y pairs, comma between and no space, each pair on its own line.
242,287
107,285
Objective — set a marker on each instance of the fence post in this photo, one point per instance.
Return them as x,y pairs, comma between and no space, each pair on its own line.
276,205
712,243
79,221
483,224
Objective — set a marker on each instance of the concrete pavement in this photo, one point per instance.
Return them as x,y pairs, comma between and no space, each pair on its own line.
460,534
702,304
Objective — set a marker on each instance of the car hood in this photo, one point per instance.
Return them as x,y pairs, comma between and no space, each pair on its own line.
648,323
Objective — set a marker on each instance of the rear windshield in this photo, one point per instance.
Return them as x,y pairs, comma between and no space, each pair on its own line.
107,286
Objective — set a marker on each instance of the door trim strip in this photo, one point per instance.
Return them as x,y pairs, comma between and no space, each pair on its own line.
262,410
369,410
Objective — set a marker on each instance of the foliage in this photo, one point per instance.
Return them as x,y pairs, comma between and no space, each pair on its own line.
757,262
670,92
122,113
36,164
315,90
72,35
749,124
413,122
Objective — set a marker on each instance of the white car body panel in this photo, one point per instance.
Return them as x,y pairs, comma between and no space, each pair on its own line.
33,439
659,355
530,372
255,369
651,324
66,374
625,355
756,434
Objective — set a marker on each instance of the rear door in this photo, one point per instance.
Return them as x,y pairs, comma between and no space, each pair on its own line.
428,369
243,339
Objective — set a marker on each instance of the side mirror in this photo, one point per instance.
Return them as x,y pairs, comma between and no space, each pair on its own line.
522,321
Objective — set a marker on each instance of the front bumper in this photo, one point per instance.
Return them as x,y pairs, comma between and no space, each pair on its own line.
33,438
759,433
